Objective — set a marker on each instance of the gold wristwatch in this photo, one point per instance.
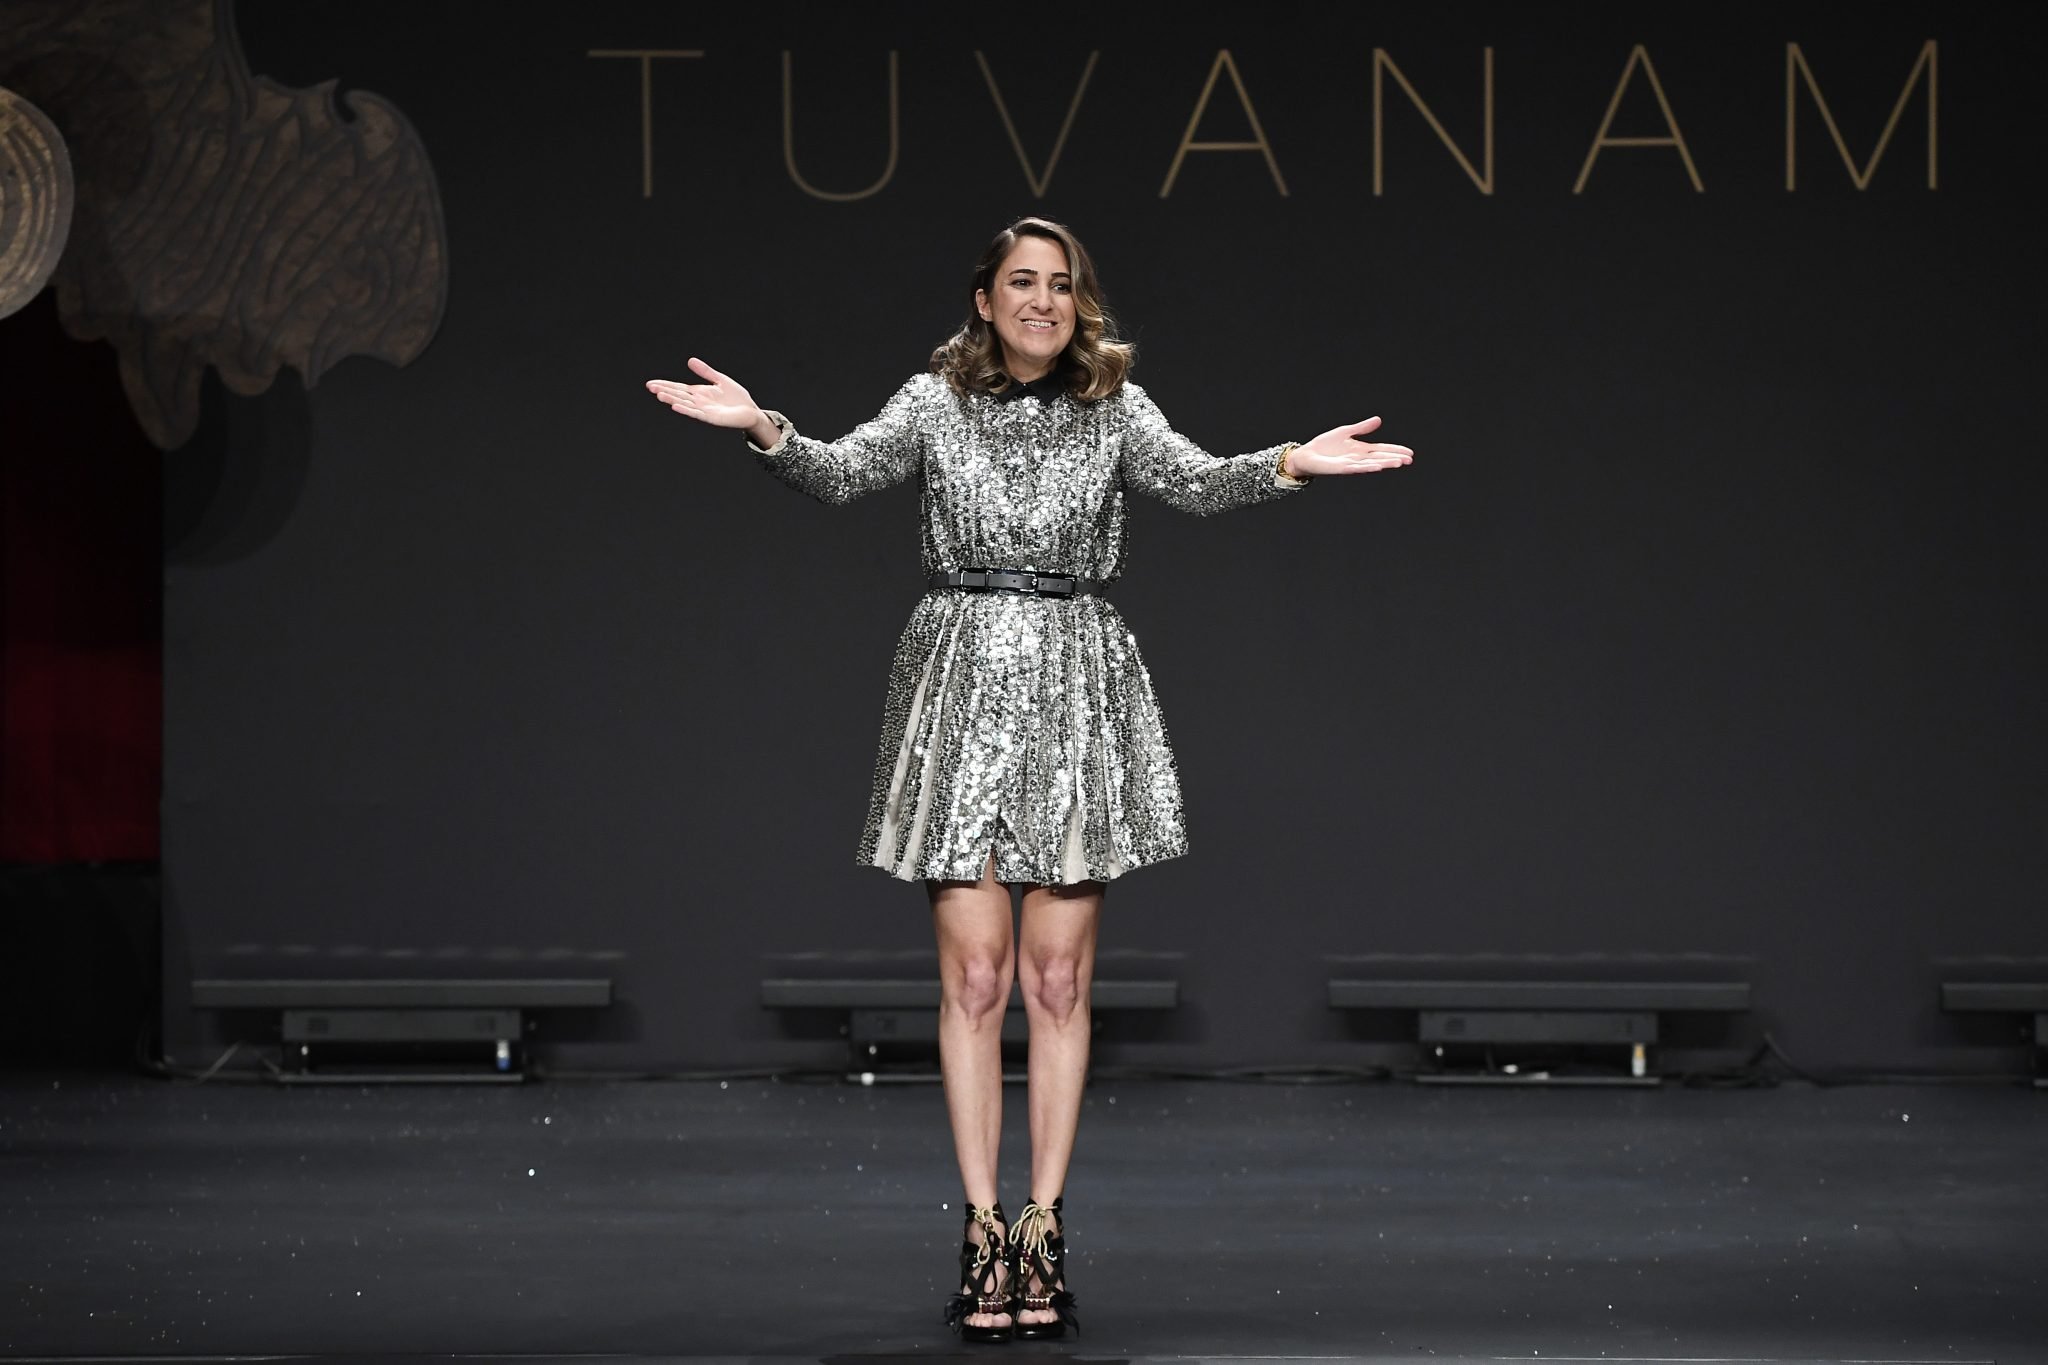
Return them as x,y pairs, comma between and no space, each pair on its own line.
1281,468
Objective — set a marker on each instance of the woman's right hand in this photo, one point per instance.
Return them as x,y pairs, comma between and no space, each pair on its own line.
722,402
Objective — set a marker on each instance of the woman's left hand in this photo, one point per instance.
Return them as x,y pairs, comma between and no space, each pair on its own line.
1340,451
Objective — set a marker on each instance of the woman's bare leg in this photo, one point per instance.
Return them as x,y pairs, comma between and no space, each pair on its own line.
977,960
1055,967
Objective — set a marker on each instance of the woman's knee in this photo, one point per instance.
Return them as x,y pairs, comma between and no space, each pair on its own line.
978,984
1053,983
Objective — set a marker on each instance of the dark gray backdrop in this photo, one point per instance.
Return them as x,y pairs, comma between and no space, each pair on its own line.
1706,625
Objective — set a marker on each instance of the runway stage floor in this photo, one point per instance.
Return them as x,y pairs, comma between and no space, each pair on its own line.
819,1221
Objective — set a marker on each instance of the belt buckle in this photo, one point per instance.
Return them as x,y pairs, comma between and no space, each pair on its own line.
1030,578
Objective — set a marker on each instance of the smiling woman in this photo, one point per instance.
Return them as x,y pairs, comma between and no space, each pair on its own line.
1022,742
1037,306
1033,307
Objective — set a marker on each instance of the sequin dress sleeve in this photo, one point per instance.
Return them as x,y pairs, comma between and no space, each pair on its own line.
878,453
1156,460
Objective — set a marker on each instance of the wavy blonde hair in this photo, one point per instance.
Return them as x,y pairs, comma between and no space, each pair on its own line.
1095,361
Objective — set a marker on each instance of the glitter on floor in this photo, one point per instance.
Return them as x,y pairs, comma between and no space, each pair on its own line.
774,1221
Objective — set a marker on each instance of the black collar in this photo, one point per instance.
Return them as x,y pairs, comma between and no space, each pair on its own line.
1045,389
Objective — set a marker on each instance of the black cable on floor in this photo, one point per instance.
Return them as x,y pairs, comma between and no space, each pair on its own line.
1263,1075
1754,1072
800,1075
212,1075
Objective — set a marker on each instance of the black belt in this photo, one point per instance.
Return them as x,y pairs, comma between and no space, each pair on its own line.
1017,580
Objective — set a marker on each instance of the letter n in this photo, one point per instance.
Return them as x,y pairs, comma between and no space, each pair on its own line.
1382,62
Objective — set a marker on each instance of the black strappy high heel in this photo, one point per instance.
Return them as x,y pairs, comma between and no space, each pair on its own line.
978,1262
1038,1266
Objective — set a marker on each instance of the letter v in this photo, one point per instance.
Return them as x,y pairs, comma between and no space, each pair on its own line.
1038,185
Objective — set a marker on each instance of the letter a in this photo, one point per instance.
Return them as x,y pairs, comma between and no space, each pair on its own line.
1188,144
1639,54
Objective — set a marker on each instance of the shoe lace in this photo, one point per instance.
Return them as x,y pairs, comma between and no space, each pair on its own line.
991,1238
1030,1236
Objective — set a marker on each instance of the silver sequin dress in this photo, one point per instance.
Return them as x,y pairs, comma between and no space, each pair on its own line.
1023,724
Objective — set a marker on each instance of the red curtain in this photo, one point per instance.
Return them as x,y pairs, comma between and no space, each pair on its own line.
81,603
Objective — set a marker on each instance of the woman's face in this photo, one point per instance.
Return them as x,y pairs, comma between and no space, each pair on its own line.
1031,307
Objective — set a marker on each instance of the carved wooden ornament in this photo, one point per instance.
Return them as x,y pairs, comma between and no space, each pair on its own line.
35,200
223,219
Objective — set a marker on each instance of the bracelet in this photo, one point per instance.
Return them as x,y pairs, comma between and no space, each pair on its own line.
1281,468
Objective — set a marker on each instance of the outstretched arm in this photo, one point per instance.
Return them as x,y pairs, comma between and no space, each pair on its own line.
1340,451
878,453
719,402
1159,461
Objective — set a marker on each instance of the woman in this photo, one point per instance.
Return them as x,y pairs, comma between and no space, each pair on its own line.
1022,743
